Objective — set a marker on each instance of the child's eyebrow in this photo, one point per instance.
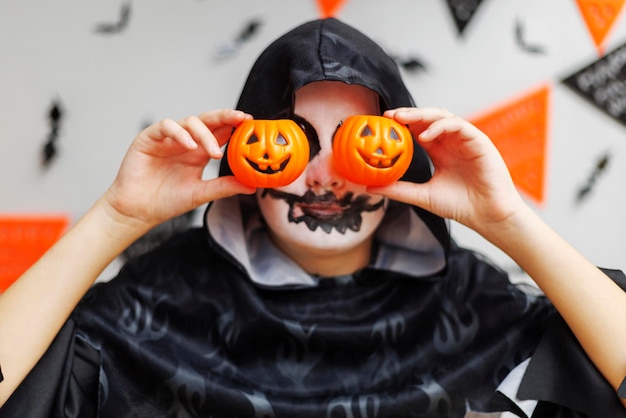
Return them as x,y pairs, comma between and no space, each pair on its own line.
311,134
299,118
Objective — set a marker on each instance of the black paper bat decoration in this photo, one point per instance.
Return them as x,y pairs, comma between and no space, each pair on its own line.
409,63
55,114
598,169
521,41
412,64
249,30
120,25
230,48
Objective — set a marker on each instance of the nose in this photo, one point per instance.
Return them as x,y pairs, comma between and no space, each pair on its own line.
321,174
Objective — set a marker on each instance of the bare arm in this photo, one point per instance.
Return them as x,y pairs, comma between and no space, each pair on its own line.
472,185
33,310
160,177
590,302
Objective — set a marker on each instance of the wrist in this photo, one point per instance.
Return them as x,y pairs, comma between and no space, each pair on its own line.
514,231
115,228
504,220
120,214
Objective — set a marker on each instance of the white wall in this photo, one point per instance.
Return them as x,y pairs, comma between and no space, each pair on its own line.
163,65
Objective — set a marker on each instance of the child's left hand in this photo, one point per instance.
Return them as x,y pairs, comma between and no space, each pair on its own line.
471,183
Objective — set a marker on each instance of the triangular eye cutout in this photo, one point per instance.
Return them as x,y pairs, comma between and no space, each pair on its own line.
366,131
394,135
253,139
280,139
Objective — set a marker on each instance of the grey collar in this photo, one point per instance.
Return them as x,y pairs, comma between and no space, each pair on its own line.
405,244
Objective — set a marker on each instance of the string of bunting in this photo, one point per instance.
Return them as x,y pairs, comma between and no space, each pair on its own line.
518,127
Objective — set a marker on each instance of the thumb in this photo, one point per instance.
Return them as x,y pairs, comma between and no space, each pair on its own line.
405,191
219,188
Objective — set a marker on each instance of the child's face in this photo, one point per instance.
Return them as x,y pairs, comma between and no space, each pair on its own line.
321,211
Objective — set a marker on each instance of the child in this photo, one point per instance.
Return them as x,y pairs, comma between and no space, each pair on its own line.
320,298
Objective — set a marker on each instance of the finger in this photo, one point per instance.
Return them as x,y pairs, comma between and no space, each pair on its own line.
448,125
404,191
460,129
167,128
222,122
219,188
202,135
223,118
392,112
418,114
215,118
418,119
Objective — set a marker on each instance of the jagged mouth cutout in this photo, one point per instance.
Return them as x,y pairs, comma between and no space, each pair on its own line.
267,168
379,162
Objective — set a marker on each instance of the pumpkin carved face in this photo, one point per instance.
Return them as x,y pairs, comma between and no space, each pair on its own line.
268,153
372,150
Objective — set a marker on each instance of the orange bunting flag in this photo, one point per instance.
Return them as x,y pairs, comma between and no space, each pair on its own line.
519,130
599,16
23,240
329,8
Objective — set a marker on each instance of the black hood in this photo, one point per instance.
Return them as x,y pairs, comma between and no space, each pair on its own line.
329,49
320,50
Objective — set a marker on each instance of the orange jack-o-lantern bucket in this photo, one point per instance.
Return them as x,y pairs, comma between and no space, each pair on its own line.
268,153
372,150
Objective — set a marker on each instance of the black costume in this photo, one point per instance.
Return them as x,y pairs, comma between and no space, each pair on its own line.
218,323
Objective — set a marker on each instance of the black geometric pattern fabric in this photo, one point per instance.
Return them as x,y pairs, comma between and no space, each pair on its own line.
182,332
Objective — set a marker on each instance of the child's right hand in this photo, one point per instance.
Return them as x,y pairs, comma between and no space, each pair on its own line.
161,174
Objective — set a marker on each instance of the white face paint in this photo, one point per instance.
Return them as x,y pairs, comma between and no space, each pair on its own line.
322,213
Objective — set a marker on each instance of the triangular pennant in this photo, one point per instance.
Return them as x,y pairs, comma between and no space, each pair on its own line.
599,16
23,240
603,83
519,130
462,12
329,8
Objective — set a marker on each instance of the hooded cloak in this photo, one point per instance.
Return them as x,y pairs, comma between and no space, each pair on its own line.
218,323
330,50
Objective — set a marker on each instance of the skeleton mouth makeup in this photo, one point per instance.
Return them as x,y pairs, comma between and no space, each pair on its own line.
326,211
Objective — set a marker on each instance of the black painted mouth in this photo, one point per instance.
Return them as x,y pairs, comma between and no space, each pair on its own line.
326,211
